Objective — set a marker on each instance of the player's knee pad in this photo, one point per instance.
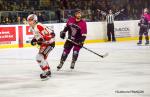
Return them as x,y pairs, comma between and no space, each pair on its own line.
39,58
66,51
64,55
75,55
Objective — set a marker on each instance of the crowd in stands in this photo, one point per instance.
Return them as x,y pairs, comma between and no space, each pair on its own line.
16,11
133,8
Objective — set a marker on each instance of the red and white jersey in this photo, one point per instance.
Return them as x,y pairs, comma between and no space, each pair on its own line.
42,31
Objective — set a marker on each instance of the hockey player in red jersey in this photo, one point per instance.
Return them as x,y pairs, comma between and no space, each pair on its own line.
77,31
44,37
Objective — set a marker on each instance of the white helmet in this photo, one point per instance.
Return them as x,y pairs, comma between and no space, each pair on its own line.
32,17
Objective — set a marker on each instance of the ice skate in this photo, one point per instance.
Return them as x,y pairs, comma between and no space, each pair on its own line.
45,75
72,65
147,43
139,43
60,65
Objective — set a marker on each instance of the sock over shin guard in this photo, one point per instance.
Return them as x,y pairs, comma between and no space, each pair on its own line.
42,62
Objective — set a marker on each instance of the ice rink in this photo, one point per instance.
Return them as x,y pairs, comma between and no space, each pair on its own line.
124,73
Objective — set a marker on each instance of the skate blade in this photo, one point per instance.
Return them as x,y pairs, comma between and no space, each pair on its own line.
58,69
45,79
139,45
143,45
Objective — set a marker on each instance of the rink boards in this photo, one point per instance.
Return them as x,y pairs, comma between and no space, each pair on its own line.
18,36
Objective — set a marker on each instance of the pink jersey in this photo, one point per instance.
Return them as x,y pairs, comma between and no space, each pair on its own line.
147,16
81,24
41,31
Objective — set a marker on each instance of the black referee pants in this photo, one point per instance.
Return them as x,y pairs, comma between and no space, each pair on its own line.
110,32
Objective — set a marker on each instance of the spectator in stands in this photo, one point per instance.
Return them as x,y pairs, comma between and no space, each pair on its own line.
40,17
58,14
18,20
7,21
24,21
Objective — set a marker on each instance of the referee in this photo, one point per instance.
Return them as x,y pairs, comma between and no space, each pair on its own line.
110,23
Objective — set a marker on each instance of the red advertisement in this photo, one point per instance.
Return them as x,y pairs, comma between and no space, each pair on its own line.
7,34
28,31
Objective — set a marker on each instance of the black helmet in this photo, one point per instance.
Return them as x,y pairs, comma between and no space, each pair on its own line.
77,10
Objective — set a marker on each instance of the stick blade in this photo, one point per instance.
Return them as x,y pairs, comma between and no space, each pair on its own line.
105,55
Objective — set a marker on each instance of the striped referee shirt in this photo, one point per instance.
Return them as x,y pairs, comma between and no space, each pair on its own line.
110,18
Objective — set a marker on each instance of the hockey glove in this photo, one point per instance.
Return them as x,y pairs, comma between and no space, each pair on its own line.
62,34
33,42
53,34
81,43
40,41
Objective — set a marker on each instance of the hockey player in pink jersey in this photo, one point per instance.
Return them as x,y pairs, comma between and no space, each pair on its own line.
144,27
44,37
77,30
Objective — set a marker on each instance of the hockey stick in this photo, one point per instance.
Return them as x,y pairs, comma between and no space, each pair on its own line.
102,56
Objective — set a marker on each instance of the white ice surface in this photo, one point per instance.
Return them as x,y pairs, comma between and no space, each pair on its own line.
126,68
